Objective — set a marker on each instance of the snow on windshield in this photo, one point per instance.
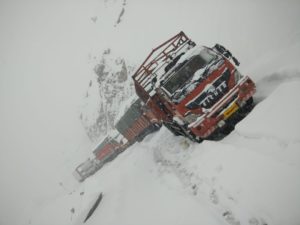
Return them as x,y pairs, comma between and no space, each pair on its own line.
185,70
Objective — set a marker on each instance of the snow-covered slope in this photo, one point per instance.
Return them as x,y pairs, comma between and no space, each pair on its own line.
48,52
250,177
108,90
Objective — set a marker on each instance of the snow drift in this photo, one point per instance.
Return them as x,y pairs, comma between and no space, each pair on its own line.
47,60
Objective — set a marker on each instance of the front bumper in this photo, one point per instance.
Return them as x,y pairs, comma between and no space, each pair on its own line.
218,115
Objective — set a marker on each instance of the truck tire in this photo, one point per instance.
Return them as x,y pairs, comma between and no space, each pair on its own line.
172,129
194,138
247,108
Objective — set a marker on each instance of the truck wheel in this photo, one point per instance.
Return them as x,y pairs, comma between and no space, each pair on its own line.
140,138
247,107
194,138
170,128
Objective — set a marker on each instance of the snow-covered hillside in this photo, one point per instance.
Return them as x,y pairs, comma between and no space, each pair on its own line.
108,90
48,55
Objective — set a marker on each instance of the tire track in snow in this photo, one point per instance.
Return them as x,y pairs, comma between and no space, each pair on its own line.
203,187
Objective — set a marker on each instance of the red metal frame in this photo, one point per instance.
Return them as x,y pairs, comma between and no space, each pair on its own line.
155,61
145,69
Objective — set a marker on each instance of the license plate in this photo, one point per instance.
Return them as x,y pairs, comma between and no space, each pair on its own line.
232,109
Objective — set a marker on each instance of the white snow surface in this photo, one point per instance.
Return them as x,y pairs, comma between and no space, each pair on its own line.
250,177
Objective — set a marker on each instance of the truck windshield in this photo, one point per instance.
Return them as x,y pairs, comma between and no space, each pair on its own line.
186,72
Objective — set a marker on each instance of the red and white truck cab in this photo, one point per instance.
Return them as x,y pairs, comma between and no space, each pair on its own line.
195,90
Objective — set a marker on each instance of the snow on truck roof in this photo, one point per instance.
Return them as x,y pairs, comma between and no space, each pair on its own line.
190,53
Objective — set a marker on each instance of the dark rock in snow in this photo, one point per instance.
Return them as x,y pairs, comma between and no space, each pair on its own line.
92,210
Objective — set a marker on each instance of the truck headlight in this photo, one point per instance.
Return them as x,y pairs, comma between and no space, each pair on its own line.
191,118
237,76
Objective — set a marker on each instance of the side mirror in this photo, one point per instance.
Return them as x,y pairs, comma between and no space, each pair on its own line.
220,48
226,53
236,62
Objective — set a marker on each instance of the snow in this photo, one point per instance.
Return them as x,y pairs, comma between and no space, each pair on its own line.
189,54
47,52
282,122
140,175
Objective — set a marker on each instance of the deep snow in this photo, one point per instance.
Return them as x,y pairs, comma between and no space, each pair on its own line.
46,63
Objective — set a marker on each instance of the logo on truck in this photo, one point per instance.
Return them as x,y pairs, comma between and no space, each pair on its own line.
212,93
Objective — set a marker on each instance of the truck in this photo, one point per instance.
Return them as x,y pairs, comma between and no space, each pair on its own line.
86,169
107,150
137,122
195,91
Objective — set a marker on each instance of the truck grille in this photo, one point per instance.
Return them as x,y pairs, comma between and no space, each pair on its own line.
213,93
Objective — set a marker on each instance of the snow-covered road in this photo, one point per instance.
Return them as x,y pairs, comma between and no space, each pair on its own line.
249,177
48,52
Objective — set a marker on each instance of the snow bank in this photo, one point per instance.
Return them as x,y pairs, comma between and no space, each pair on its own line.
134,194
278,115
47,57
